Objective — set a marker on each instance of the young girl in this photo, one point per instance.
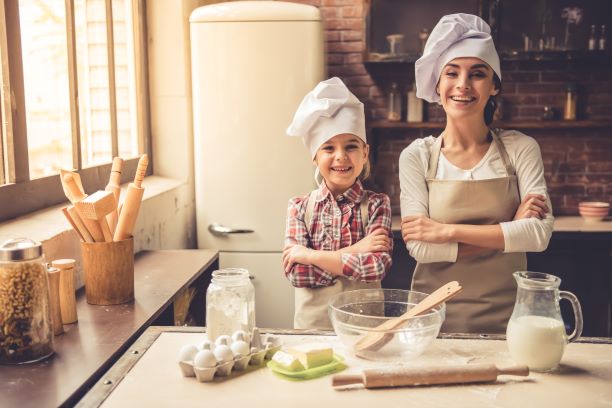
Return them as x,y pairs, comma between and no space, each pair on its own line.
338,237
473,199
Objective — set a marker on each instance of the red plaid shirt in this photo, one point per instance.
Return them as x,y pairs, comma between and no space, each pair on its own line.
335,225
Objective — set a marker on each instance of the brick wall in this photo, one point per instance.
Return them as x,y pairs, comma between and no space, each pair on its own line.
578,162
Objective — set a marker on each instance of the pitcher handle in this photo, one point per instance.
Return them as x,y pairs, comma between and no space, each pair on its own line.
577,314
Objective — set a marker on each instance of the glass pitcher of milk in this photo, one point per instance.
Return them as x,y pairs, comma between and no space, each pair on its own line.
536,334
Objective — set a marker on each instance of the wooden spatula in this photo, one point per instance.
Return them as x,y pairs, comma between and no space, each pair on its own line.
411,376
383,333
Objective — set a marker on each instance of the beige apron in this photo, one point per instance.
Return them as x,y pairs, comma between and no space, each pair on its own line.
311,303
487,299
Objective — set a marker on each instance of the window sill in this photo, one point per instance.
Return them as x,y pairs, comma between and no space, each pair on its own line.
50,223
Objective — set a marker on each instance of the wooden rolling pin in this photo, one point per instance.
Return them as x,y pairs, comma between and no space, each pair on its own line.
131,205
411,376
114,185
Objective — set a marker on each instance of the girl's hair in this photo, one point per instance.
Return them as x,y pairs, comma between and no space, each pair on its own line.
367,168
491,105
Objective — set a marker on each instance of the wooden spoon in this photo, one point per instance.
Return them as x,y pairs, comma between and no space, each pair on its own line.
383,333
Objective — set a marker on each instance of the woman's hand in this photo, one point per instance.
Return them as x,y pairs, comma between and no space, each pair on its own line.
296,254
422,228
376,241
533,205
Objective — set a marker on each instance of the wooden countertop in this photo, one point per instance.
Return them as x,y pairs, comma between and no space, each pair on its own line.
90,346
562,224
148,376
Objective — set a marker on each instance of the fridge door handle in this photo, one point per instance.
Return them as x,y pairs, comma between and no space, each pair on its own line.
221,230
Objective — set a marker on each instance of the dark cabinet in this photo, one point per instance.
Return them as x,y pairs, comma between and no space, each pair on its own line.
583,261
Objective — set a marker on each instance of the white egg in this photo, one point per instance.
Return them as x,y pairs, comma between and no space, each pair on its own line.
223,340
187,352
239,335
207,345
204,359
223,353
240,347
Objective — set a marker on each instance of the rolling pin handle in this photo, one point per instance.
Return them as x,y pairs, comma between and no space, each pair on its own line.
521,370
340,380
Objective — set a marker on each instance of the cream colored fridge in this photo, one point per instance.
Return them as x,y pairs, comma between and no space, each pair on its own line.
252,63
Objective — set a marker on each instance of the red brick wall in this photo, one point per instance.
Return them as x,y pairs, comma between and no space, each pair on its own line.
578,162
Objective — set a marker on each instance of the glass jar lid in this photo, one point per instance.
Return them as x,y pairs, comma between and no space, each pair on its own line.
20,249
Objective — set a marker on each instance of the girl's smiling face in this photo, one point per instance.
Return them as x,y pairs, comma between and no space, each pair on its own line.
341,160
465,87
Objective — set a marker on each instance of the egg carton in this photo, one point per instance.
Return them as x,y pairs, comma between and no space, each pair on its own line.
226,354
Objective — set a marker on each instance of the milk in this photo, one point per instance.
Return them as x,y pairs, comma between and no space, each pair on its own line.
536,341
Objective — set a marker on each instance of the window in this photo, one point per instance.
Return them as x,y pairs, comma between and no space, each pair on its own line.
73,96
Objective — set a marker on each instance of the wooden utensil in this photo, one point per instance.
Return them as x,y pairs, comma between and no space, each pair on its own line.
78,224
114,185
72,223
75,194
96,207
410,376
131,205
383,333
67,191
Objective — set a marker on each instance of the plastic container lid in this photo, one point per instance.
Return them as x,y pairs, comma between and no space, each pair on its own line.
255,11
20,249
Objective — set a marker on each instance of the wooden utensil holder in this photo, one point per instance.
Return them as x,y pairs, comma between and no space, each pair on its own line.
109,271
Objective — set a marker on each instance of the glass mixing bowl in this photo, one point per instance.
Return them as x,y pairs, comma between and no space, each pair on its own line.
357,313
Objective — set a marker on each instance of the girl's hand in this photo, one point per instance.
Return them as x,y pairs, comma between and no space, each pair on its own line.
533,205
422,228
376,241
296,254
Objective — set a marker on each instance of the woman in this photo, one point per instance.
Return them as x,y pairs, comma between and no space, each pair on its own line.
473,199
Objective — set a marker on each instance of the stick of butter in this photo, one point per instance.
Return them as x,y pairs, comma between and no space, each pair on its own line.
287,361
313,354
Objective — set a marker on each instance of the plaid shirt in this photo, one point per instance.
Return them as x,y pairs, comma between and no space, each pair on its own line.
336,225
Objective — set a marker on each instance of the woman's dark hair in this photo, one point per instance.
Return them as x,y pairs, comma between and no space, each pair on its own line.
491,105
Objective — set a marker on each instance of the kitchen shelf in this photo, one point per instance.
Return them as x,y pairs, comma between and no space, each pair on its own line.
519,124
373,60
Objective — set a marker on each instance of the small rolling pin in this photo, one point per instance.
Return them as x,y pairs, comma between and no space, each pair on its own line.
400,377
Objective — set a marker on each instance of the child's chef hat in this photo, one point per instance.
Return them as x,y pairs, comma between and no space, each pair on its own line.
455,36
328,110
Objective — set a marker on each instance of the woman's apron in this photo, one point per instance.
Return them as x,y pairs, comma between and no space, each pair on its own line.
489,289
311,310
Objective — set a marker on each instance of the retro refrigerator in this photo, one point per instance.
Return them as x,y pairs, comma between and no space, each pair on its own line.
252,63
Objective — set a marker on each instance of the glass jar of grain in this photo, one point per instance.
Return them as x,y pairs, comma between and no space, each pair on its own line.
26,334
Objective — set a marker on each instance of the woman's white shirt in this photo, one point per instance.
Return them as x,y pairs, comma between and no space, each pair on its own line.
525,235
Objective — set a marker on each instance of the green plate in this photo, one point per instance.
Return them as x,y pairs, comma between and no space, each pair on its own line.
332,367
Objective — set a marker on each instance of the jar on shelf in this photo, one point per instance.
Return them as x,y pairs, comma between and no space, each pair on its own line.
26,334
230,303
394,111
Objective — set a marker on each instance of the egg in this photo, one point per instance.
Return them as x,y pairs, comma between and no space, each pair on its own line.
204,359
240,347
223,353
239,335
187,352
207,345
223,340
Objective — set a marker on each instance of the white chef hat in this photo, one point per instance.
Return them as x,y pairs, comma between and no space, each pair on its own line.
455,36
328,110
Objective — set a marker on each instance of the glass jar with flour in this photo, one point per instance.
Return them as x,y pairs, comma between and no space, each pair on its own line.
230,303
536,333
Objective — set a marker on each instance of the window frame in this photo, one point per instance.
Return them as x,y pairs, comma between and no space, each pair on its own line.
20,195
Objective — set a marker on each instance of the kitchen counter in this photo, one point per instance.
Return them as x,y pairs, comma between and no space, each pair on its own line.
562,224
148,375
103,333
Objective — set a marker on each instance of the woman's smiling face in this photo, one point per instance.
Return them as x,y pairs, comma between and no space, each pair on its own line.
465,87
